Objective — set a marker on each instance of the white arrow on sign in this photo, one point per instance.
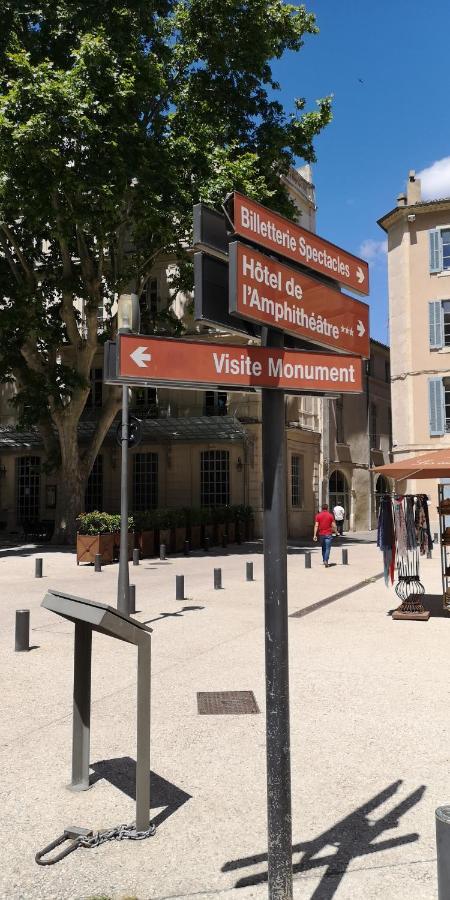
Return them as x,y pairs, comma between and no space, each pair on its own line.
140,357
360,328
360,274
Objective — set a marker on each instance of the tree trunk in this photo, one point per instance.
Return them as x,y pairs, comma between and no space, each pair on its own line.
69,502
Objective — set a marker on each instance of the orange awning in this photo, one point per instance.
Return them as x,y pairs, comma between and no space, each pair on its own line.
434,464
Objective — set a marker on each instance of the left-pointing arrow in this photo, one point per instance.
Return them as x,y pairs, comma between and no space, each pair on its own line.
140,357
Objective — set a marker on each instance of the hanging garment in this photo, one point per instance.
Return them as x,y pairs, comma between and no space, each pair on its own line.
421,525
400,526
386,538
411,536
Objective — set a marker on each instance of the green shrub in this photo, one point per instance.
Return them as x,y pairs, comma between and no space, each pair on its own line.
97,522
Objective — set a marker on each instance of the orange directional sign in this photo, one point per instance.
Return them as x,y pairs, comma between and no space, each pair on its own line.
266,291
192,363
282,236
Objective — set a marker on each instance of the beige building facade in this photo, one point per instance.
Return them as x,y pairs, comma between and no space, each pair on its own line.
203,448
418,233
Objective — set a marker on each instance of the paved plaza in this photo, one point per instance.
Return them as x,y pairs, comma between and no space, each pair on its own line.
370,731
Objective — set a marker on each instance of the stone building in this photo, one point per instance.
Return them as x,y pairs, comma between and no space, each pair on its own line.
204,447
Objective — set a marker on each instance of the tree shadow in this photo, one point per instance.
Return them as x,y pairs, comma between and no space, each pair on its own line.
178,614
352,837
121,773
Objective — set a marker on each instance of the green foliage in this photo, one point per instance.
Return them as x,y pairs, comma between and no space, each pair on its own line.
100,523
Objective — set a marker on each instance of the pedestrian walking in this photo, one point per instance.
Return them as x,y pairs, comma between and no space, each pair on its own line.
325,530
339,516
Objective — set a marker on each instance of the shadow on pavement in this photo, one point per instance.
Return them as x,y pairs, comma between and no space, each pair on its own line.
333,597
355,836
178,614
121,773
432,603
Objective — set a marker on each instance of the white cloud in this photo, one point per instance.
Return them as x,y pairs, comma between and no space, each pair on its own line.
436,179
373,250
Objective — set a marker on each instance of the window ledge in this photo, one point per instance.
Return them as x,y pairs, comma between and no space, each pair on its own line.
444,274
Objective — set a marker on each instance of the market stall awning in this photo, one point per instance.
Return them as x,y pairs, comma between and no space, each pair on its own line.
434,464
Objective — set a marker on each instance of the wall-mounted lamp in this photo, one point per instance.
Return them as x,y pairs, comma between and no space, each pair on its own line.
239,464
2,471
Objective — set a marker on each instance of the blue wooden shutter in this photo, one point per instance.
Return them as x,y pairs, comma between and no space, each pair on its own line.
435,324
434,236
436,402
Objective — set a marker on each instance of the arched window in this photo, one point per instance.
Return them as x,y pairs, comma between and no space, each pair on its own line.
338,492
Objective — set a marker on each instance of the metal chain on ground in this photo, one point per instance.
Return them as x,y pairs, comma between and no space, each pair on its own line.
119,833
83,837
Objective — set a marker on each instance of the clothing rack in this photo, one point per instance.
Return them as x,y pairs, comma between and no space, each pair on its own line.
401,517
444,541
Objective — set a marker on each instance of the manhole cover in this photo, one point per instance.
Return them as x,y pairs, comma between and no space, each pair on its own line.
226,703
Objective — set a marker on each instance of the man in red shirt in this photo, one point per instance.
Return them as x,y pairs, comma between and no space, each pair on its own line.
325,530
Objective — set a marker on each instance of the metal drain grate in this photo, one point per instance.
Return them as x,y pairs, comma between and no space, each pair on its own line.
226,703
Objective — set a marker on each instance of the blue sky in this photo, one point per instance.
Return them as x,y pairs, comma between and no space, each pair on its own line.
395,119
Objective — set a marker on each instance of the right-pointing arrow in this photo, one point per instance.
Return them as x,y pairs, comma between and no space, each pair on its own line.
140,357
360,328
360,274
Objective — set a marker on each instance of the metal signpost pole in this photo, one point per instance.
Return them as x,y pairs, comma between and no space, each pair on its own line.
276,641
124,579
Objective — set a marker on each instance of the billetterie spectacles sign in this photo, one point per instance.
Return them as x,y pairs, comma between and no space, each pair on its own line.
268,229
167,361
267,292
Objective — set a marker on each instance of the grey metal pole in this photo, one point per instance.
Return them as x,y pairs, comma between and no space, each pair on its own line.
162,551
307,559
81,706
38,568
22,635
124,578
179,587
345,557
143,735
98,562
249,571
217,579
131,599
443,851
276,641
136,556
187,548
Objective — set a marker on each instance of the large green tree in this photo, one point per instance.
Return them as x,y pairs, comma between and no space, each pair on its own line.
115,117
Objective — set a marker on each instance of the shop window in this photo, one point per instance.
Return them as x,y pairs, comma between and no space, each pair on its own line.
216,403
95,395
28,488
297,480
93,497
215,478
145,481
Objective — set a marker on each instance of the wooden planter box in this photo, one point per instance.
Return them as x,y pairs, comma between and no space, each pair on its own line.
165,537
88,545
208,532
195,537
249,529
146,543
131,540
180,537
231,532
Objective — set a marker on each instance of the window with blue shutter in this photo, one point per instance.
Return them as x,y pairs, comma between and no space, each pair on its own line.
434,237
435,318
436,404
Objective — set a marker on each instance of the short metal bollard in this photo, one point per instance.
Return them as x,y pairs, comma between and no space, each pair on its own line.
162,551
179,587
249,571
443,851
217,579
345,557
435,537
429,554
38,568
187,548
136,556
22,637
307,559
98,562
131,599
206,544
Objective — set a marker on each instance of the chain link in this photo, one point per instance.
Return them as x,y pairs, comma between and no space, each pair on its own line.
120,833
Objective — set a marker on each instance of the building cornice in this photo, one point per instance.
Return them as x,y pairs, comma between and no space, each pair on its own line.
400,213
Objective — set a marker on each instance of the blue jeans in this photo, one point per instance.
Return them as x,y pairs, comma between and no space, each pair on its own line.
325,543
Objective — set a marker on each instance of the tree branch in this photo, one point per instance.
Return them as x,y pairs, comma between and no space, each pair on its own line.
15,244
107,415
10,259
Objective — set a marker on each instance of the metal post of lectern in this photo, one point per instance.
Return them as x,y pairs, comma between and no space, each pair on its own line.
143,736
81,706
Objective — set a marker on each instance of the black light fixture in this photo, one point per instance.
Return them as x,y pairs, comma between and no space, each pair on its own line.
239,464
2,471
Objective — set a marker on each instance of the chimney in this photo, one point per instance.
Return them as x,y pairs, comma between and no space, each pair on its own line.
401,200
413,189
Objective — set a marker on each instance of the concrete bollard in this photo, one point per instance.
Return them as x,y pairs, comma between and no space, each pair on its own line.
187,548
435,537
179,587
345,557
98,562
162,551
443,851
22,636
217,579
249,571
131,599
135,557
307,559
206,544
38,568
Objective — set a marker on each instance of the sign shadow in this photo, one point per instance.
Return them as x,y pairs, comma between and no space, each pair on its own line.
121,773
352,837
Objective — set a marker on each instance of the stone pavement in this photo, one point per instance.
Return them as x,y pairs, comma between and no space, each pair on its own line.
370,732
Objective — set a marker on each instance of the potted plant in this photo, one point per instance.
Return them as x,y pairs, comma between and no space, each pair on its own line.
180,530
248,522
208,524
194,520
95,535
219,520
115,524
146,527
166,524
230,525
